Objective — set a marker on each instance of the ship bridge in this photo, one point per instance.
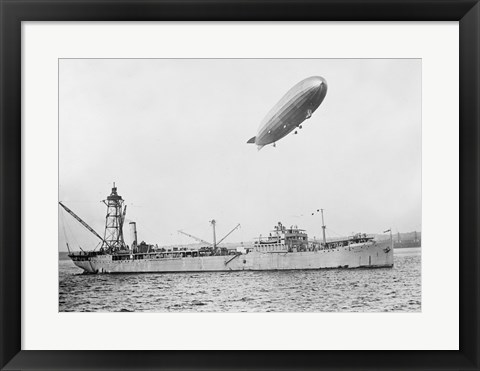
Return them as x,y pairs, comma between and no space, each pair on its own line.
283,239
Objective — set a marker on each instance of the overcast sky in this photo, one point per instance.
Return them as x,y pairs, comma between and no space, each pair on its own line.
172,134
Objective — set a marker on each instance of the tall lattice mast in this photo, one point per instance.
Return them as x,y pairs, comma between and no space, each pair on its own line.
113,238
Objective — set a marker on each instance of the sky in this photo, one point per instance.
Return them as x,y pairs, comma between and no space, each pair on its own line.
172,133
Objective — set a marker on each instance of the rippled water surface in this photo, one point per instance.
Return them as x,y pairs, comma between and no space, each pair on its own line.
395,289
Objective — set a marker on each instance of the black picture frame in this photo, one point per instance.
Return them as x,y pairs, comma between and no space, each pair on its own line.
13,12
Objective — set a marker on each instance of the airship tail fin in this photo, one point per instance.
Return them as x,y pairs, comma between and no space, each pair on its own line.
252,140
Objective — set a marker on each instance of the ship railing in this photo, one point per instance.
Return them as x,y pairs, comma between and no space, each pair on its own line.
271,247
84,253
268,239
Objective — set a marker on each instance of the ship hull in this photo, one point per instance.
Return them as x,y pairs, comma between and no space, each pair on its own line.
376,255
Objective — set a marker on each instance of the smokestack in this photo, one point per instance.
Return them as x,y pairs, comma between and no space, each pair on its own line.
133,236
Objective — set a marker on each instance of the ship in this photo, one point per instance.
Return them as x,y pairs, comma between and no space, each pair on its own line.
285,248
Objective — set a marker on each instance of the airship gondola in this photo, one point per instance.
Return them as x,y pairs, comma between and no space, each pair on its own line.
297,105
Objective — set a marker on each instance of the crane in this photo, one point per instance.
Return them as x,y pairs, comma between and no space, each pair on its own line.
123,216
228,234
195,238
122,220
214,244
81,221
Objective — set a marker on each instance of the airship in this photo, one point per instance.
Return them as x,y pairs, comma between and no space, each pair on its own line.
288,114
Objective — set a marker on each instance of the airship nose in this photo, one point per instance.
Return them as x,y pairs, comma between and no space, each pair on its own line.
316,83
318,86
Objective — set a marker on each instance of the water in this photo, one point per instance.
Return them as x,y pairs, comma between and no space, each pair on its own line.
337,290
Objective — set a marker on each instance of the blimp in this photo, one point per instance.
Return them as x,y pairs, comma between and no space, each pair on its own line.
296,106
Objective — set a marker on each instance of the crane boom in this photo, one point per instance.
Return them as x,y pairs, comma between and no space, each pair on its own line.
81,221
195,238
123,216
228,234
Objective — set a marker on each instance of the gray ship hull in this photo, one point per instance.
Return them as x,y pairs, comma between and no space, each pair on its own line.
368,255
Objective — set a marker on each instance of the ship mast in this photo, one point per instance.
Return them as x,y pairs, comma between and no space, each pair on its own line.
215,244
113,237
323,230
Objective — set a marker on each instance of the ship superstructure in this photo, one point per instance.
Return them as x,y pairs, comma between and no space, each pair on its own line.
283,249
283,239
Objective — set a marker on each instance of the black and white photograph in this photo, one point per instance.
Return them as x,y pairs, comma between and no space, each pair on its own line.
240,185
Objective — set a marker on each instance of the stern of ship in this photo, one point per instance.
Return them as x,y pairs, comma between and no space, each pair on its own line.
90,263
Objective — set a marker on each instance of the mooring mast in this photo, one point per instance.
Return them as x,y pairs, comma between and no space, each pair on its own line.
113,238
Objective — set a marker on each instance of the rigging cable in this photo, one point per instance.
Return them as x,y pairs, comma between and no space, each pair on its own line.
70,232
64,231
